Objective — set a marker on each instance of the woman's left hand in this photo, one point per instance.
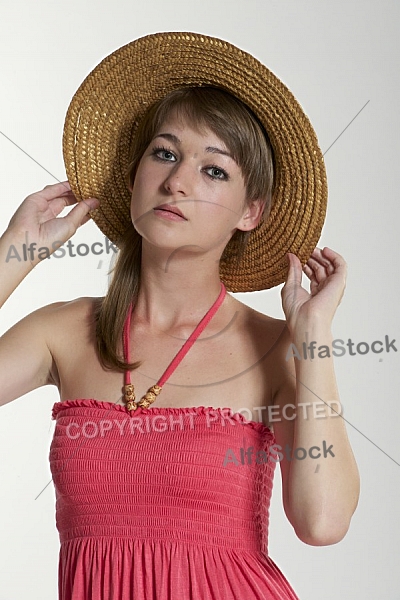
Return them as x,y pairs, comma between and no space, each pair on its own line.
326,271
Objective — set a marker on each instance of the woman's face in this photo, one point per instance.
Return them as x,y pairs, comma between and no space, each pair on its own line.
195,173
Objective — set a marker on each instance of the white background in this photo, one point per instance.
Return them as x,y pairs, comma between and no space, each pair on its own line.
335,57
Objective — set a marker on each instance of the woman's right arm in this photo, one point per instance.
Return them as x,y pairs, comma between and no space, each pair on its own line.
26,362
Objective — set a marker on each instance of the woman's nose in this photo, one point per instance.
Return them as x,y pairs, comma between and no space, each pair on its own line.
179,180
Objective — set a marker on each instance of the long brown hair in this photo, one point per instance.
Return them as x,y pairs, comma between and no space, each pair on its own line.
235,125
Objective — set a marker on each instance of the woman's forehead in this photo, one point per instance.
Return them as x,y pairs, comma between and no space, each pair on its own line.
180,125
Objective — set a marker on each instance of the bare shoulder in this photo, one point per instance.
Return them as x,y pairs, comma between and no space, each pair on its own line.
61,313
57,318
271,339
31,341
68,323
264,328
69,329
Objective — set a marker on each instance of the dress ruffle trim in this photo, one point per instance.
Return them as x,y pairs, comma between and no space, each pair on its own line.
157,410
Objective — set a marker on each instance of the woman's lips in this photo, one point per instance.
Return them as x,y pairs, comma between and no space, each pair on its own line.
169,212
168,215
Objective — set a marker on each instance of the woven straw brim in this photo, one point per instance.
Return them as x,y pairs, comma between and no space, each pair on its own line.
104,114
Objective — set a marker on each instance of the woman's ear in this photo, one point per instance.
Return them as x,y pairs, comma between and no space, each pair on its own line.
252,215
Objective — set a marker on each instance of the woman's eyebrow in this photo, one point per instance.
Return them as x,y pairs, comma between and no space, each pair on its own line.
212,149
215,150
168,136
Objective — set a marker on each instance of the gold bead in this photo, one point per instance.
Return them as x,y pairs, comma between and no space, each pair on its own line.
129,392
155,389
148,398
144,403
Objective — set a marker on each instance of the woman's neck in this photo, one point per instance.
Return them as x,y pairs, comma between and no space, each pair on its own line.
176,290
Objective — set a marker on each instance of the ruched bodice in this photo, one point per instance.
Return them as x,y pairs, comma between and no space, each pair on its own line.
168,503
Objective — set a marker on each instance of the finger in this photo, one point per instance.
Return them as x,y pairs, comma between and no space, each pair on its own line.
295,271
329,260
67,198
336,264
49,192
57,205
317,269
319,256
336,259
314,286
309,272
79,214
85,219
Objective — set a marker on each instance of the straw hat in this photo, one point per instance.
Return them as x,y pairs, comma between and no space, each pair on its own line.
104,113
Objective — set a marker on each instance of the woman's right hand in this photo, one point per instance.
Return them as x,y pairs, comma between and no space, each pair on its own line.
36,220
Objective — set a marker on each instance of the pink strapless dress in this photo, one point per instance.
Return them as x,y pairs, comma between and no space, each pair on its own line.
159,506
163,503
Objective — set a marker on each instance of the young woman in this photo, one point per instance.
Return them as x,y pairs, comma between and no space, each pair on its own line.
162,485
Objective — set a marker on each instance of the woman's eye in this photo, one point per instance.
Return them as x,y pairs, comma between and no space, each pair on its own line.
164,154
217,173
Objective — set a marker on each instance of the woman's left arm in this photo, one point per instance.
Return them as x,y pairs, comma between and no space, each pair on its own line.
321,488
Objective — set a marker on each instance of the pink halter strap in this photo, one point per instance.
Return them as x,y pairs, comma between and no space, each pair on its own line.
186,346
